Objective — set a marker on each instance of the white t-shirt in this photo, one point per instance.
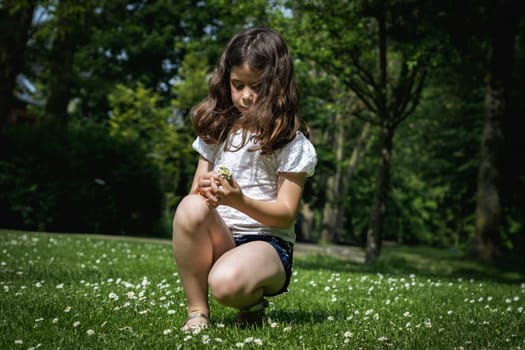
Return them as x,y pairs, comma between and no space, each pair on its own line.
257,174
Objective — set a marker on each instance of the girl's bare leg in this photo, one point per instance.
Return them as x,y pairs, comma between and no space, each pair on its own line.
241,276
200,237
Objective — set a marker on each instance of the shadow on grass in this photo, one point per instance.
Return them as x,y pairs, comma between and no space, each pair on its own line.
423,262
286,316
304,316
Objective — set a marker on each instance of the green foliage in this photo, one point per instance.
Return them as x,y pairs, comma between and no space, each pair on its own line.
21,199
358,203
140,67
77,179
378,70
193,86
128,59
435,167
117,42
136,116
318,106
435,158
343,38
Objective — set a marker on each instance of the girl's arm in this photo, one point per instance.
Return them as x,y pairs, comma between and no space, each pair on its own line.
206,182
280,213
203,168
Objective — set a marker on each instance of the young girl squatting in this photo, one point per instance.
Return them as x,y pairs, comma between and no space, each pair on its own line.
234,236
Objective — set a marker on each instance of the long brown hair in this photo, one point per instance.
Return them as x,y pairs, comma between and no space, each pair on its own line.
274,118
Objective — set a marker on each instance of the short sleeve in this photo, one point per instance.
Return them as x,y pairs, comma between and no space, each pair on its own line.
298,156
208,152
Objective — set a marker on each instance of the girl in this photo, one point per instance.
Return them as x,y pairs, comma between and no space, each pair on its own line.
235,235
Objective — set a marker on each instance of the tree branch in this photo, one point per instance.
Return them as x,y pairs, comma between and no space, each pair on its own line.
416,96
363,96
365,75
367,119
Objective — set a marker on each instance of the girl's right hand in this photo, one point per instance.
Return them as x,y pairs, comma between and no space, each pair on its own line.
208,186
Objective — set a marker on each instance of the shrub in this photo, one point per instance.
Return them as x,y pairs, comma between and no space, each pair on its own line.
76,179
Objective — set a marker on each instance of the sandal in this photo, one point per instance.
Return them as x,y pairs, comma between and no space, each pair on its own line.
197,327
253,315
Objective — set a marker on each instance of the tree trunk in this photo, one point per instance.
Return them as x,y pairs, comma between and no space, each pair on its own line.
377,215
61,69
487,239
305,223
333,191
355,158
14,33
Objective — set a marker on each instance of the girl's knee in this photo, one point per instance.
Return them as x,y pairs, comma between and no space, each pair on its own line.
191,212
225,285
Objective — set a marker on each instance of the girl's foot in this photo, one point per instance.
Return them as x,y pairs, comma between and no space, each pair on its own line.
195,322
252,316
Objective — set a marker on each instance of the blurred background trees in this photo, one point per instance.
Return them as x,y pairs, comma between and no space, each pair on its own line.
408,101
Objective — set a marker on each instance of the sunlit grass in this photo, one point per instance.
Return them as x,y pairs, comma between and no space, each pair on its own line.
73,292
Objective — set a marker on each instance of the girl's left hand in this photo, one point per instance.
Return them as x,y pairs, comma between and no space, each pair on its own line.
226,192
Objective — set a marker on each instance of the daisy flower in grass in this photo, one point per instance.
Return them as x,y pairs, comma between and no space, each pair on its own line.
205,339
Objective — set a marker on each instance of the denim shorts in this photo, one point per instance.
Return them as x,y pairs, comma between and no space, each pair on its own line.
284,250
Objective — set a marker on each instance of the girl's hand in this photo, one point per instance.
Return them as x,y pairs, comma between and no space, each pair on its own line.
229,192
207,186
217,189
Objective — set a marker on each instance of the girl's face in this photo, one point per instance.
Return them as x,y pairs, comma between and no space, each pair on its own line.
243,86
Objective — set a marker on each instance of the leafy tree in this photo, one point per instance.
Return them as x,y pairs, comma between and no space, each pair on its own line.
486,41
147,42
130,43
81,51
192,86
356,41
489,209
15,30
66,32
137,116
435,167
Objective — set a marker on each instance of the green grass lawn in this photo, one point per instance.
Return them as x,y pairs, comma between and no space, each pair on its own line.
77,291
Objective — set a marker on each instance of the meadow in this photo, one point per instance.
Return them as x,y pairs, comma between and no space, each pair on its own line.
65,291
